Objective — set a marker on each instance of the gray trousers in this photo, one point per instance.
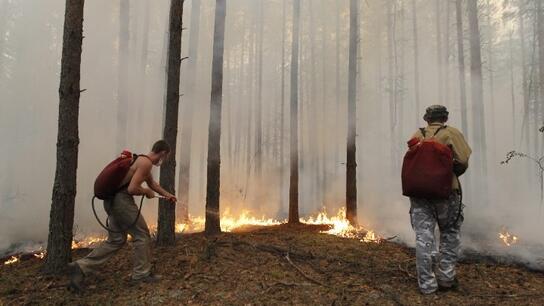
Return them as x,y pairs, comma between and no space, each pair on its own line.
436,266
122,212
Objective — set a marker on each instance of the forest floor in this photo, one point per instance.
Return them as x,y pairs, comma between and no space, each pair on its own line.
252,267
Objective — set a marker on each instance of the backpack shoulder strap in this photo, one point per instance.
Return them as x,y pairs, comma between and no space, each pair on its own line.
440,129
423,132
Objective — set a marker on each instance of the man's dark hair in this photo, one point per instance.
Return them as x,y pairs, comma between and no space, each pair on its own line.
161,146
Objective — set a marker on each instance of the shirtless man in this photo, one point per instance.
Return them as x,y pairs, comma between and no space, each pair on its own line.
122,212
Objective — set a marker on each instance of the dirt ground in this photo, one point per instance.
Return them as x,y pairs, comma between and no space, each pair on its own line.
270,266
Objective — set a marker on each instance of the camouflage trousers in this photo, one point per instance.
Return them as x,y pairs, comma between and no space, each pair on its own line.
434,266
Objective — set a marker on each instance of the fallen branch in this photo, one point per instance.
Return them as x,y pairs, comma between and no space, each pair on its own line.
302,272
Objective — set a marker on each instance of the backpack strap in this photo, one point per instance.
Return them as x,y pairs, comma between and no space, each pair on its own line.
423,132
440,129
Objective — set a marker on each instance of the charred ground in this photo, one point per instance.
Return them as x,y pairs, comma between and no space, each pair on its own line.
273,265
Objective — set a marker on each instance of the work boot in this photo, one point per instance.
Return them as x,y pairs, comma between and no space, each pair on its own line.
451,286
76,278
150,279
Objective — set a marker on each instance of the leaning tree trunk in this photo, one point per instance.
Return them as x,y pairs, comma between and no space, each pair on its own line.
293,180
461,63
61,220
213,225
479,140
351,164
122,74
167,211
187,114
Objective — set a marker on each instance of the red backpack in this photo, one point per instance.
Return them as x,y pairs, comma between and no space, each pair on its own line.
427,170
109,180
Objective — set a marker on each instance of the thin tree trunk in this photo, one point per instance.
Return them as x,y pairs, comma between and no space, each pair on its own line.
258,117
439,63
446,64
526,95
213,225
512,86
479,140
122,91
416,63
167,211
293,181
461,63
282,124
337,116
187,114
491,67
351,164
324,127
540,99
61,219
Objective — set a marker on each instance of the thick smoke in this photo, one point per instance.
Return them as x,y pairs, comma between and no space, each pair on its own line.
386,112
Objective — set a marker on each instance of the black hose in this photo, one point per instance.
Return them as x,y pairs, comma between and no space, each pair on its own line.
121,231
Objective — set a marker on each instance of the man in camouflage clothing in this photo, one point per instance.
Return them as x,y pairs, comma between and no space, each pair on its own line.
436,269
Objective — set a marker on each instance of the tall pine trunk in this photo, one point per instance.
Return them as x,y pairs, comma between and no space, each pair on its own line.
61,220
282,112
213,225
479,140
294,177
167,211
122,74
351,160
525,85
461,64
187,113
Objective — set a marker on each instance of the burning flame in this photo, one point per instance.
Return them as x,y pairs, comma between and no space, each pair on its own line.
341,227
86,241
40,255
12,260
507,238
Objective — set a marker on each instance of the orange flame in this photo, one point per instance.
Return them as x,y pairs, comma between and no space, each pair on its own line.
12,260
507,238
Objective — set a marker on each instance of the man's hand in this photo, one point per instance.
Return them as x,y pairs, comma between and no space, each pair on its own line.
149,193
172,199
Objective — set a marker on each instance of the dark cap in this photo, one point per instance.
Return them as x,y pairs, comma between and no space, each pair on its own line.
436,112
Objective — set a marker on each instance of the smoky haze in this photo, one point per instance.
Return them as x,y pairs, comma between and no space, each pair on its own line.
387,116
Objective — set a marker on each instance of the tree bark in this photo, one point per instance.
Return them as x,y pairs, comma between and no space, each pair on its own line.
461,63
526,94
294,176
213,226
187,114
351,164
122,74
167,211
61,219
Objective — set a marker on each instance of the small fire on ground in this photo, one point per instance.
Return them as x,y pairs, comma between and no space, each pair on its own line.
339,226
507,238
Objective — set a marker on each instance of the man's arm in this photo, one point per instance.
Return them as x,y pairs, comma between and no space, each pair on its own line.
143,172
461,151
158,189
